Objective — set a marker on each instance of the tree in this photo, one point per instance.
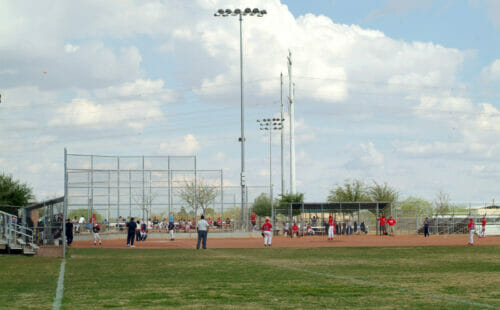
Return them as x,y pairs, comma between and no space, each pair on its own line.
287,199
415,205
382,193
262,205
442,203
13,193
199,195
349,192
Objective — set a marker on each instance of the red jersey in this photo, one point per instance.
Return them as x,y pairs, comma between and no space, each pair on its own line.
391,222
308,227
382,221
295,227
484,222
471,226
254,216
267,227
330,222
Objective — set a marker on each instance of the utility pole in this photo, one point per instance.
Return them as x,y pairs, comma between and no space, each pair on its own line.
282,138
292,125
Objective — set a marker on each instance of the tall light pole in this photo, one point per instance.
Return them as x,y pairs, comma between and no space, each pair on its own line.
271,124
240,13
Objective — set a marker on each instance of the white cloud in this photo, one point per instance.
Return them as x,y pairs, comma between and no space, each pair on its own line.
492,72
365,156
69,48
188,145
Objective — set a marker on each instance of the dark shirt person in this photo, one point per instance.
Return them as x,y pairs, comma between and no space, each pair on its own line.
69,232
131,227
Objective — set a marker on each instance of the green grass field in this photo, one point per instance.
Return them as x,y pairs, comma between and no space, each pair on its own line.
390,278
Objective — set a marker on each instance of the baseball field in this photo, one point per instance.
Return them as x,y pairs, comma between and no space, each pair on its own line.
331,277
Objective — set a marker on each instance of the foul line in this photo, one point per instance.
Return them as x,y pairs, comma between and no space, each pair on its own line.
60,287
368,283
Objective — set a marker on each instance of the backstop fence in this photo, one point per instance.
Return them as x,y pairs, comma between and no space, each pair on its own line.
150,188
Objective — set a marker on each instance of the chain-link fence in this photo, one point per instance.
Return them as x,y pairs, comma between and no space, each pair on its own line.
153,189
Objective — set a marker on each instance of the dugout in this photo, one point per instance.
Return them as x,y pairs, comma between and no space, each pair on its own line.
352,213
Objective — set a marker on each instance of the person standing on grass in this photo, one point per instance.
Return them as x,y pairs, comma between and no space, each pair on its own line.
331,228
472,228
426,227
96,229
266,230
483,227
132,226
69,232
391,223
202,229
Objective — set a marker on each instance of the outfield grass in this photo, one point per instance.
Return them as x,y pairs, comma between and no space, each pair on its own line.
391,278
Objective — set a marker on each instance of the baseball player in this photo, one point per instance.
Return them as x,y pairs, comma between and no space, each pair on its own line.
310,231
426,227
295,230
472,228
96,229
483,227
391,223
171,229
331,228
266,230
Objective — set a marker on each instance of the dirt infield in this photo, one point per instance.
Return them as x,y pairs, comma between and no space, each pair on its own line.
303,242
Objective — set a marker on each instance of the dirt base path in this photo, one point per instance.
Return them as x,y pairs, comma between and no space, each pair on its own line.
303,242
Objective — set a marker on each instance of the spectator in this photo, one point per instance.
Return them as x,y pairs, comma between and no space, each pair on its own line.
253,219
69,232
295,230
144,229
285,229
228,224
156,223
314,221
310,231
362,228
355,227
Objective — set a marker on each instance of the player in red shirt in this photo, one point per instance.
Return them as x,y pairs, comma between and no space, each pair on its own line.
391,223
472,228
483,227
295,230
382,221
266,230
310,231
253,219
331,228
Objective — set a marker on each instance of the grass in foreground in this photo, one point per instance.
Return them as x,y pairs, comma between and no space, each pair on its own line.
391,278
28,282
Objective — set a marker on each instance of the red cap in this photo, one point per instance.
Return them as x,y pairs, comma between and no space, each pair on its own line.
470,220
267,220
330,216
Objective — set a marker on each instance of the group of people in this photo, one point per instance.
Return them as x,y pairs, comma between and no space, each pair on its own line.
471,227
386,225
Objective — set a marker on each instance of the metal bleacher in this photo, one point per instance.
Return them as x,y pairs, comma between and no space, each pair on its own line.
15,237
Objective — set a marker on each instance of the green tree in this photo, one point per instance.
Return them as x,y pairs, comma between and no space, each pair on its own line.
415,205
83,212
286,199
349,192
13,193
262,205
382,193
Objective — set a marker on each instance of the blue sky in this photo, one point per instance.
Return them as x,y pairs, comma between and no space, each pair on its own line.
403,92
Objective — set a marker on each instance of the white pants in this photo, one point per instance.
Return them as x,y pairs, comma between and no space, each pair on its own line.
481,234
310,231
331,234
97,237
268,237
172,237
471,236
